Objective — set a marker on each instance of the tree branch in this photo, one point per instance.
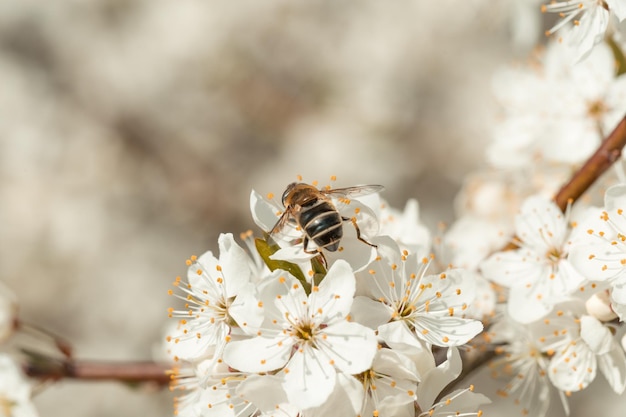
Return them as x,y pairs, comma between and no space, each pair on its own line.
129,372
609,151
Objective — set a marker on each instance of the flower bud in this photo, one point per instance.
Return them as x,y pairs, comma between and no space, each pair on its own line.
599,306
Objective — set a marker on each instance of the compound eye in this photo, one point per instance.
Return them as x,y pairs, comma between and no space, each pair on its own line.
287,192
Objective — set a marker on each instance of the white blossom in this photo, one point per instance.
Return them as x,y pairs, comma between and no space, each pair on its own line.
462,402
600,253
405,227
406,301
15,392
522,364
216,294
307,339
538,273
587,345
554,112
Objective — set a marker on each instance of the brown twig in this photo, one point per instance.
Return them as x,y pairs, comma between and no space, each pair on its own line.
128,372
609,151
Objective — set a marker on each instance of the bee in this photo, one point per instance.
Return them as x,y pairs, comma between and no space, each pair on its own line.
314,213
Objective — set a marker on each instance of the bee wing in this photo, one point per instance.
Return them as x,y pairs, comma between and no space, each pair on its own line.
281,223
356,191
286,229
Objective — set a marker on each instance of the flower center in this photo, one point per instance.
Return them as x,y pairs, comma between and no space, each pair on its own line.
221,310
554,255
596,109
305,332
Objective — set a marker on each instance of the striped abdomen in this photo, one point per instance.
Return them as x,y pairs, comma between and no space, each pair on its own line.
321,223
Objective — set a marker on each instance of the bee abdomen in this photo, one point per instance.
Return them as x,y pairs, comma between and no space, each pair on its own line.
322,224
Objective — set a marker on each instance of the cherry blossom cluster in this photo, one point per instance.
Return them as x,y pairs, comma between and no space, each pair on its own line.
277,330
585,23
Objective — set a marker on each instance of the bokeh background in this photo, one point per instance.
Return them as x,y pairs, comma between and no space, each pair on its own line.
131,134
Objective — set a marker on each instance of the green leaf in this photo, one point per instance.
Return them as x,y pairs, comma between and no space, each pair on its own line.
266,250
319,270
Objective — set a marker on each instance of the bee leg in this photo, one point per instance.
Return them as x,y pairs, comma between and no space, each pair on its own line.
306,244
320,254
358,231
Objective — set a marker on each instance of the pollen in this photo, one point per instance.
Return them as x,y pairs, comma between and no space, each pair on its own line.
199,272
445,339
260,304
270,196
282,279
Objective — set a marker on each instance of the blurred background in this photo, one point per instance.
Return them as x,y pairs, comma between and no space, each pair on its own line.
132,132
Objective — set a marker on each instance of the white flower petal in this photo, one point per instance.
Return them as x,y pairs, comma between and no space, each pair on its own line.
447,331
574,368
294,254
350,346
264,391
259,354
308,379
370,313
513,268
438,378
398,337
541,224
615,206
264,212
596,335
345,400
613,366
524,307
235,265
618,7
332,300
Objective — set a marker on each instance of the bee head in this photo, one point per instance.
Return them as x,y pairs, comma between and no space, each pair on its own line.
288,191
